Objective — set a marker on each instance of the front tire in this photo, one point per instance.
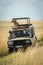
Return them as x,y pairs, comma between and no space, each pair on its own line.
10,50
16,49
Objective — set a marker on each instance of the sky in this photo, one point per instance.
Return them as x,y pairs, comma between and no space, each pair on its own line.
21,8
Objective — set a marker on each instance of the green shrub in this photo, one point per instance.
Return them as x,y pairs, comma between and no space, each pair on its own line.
40,42
3,53
40,39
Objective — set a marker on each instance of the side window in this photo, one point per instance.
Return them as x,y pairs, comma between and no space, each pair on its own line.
32,32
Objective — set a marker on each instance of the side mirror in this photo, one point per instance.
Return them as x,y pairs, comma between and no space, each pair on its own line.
10,32
35,37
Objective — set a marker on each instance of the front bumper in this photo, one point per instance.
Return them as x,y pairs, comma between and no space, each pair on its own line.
19,42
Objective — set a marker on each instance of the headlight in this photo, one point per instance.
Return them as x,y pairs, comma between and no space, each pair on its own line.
27,41
10,42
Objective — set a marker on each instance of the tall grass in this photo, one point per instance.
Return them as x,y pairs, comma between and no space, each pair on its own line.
32,56
41,38
3,50
40,41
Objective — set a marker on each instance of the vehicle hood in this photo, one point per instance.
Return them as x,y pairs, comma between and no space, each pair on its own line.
20,38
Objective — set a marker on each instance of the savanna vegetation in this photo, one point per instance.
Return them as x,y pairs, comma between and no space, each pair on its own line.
32,55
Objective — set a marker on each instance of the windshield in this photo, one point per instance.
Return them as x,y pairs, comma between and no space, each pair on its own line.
21,33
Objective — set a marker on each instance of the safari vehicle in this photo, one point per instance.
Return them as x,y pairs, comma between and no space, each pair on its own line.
21,35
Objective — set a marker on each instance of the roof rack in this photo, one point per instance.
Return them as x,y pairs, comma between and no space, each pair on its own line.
14,19
20,18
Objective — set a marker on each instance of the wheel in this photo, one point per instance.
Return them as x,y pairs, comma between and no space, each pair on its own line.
24,48
30,44
33,44
16,49
10,50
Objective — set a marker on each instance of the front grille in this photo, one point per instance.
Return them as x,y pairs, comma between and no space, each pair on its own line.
22,42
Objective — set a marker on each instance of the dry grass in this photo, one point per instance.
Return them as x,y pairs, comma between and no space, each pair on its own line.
33,56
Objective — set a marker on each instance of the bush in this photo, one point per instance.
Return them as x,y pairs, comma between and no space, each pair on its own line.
40,39
3,53
40,42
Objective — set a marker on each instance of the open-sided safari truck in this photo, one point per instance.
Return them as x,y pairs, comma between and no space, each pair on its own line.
21,35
